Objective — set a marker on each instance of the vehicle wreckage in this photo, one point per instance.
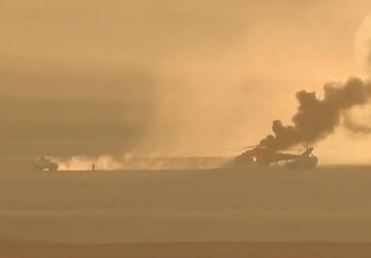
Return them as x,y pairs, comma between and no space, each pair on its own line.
261,155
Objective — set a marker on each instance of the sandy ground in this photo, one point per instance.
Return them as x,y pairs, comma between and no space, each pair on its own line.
18,249
80,209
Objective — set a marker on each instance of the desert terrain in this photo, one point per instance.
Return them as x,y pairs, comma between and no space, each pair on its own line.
90,83
17,249
258,212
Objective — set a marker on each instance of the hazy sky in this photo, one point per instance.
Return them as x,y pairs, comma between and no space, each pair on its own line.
204,76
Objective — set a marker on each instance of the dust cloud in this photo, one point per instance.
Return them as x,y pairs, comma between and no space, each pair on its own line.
133,161
363,46
103,162
190,79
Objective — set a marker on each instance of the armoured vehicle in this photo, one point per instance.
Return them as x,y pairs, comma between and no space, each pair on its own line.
44,164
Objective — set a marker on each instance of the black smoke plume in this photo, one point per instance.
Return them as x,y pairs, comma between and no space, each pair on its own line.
316,118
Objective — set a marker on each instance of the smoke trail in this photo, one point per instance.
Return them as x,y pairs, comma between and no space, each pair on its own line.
316,118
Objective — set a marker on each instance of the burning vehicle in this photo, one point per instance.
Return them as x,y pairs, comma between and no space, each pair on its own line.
314,120
262,156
